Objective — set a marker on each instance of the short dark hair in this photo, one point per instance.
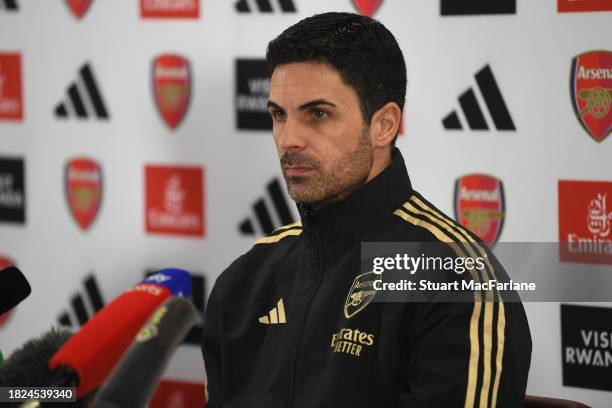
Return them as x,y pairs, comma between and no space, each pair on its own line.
361,49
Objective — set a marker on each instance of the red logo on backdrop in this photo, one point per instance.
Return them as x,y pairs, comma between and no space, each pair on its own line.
170,8
585,221
171,87
178,394
11,105
480,206
174,200
591,92
83,180
4,263
79,7
564,6
367,7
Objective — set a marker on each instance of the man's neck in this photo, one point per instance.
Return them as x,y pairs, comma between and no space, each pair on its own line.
380,161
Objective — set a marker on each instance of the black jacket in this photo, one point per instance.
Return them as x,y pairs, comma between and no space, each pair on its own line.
281,330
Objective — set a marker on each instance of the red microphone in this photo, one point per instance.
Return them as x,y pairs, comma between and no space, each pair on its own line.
87,358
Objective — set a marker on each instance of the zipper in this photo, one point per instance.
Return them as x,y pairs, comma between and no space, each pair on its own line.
317,247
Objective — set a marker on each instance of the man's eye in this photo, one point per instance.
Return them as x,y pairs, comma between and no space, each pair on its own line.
278,115
319,114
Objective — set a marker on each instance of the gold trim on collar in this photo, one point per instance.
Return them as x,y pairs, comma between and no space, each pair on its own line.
275,238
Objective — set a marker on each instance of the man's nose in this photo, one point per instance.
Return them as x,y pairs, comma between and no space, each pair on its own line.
292,135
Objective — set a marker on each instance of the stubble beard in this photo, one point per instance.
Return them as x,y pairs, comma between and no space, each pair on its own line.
326,187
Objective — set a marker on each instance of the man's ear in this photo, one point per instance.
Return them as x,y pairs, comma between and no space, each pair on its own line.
385,125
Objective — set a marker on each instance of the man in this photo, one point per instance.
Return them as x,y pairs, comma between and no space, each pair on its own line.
284,326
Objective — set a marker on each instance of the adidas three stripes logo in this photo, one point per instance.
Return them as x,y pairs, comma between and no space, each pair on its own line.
276,315
79,308
471,108
263,214
83,98
265,6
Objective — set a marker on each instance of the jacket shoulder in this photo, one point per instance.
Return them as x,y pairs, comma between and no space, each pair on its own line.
424,222
270,249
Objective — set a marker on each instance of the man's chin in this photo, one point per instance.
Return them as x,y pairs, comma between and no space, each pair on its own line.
303,196
300,194
300,190
304,192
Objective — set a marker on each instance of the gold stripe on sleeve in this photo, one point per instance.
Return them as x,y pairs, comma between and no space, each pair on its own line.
487,344
501,326
470,395
488,323
476,312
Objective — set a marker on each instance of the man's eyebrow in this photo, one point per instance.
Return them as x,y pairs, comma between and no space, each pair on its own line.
316,102
272,104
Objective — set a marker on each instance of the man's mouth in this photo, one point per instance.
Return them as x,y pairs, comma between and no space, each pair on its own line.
296,171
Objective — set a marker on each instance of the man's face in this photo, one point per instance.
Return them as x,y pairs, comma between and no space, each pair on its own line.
319,131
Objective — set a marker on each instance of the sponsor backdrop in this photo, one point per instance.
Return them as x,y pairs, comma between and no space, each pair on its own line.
133,136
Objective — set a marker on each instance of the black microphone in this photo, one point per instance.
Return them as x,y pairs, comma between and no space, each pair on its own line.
133,380
14,287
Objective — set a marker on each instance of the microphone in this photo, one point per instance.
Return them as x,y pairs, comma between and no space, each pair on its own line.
14,287
87,358
13,290
132,382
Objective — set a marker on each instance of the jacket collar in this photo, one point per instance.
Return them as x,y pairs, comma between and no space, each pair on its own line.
364,208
